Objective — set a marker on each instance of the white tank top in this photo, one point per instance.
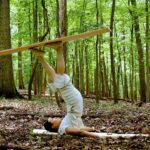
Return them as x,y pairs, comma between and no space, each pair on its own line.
69,93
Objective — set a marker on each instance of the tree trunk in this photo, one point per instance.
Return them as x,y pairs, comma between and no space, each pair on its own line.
125,93
119,74
147,50
107,90
63,25
140,54
7,85
77,81
20,75
81,51
115,89
81,57
37,74
35,39
31,80
57,18
132,80
99,81
87,71
97,72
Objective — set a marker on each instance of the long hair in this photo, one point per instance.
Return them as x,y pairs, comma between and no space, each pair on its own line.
48,127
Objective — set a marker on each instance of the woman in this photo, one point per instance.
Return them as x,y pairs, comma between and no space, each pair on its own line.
61,83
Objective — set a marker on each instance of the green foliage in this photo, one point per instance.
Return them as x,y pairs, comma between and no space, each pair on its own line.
81,18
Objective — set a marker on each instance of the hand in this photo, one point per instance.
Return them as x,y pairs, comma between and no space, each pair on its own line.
95,130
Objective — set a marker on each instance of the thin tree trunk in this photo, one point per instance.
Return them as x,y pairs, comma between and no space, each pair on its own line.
81,52
57,18
63,25
77,81
115,89
125,71
35,39
147,50
135,88
31,80
107,90
119,74
20,75
81,57
87,71
98,71
132,80
140,54
99,20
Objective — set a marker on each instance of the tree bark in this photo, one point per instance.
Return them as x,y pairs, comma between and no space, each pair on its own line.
97,72
20,75
63,25
35,39
132,80
81,62
87,71
147,50
115,89
125,70
119,74
7,84
31,80
107,90
76,73
140,53
37,74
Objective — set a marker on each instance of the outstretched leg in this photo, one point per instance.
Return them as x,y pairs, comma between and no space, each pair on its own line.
60,60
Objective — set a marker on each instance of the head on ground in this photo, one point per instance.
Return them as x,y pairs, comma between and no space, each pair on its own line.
52,124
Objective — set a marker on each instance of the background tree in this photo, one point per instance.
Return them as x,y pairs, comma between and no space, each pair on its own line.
147,3
87,57
7,85
63,24
115,88
140,52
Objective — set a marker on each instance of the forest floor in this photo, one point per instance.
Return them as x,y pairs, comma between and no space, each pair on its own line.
19,117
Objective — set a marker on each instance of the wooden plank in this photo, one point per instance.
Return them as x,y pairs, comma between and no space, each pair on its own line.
85,35
55,41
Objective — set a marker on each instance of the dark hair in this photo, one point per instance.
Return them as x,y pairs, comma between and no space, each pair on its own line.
48,127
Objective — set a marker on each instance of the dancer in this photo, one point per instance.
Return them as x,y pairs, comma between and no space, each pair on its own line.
60,82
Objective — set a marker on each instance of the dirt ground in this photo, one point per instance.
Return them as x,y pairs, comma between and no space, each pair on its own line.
19,117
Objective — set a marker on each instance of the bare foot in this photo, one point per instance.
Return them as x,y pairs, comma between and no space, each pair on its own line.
38,53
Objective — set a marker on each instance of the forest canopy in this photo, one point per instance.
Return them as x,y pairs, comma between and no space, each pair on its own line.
114,65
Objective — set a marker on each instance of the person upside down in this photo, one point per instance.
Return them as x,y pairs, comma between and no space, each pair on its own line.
72,123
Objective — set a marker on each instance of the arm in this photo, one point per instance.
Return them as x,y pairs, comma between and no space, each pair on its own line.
49,70
79,132
88,129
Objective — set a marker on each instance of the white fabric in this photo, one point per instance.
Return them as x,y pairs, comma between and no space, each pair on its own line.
43,131
52,87
70,120
73,100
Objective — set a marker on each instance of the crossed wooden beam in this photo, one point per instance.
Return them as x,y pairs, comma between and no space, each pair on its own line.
54,43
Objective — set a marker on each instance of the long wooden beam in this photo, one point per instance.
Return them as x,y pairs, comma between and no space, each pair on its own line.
50,43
